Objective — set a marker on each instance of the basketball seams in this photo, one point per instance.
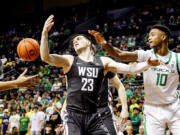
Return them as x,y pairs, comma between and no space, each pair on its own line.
26,48
32,45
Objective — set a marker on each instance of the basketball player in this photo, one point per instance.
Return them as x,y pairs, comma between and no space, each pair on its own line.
104,108
21,82
84,75
161,105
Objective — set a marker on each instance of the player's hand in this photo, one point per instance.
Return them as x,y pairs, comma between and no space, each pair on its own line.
153,62
124,116
25,81
48,24
98,36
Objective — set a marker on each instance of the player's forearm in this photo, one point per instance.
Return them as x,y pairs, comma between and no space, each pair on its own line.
8,85
44,49
123,97
112,51
132,69
120,55
63,110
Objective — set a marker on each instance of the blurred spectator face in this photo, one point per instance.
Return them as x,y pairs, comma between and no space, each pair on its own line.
132,21
14,112
46,66
118,126
156,37
133,100
12,78
129,130
47,80
97,27
1,109
41,68
81,42
110,37
43,96
178,38
129,123
124,22
50,103
141,130
127,86
41,75
34,68
136,91
135,111
6,114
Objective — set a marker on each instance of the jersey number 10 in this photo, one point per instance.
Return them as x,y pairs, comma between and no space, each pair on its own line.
161,79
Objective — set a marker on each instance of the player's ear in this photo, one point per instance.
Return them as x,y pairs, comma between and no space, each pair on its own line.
164,37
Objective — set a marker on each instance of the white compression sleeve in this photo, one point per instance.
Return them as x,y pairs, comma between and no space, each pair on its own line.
132,69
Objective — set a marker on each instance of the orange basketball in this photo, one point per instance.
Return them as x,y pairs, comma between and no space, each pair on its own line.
28,49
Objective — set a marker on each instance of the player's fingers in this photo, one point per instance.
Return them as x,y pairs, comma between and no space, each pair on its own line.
25,71
50,17
34,77
91,32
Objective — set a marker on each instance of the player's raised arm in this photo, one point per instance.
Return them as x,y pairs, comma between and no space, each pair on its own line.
113,66
53,59
113,51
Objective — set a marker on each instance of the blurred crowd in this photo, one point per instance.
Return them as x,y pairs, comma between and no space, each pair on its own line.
39,107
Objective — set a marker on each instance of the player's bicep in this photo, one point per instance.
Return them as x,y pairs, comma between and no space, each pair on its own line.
59,60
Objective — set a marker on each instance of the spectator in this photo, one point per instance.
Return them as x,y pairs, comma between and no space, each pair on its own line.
129,93
55,118
5,122
13,121
129,130
136,120
133,105
23,123
57,85
35,125
48,85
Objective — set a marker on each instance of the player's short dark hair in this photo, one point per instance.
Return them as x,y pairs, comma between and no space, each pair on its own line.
163,28
87,37
75,35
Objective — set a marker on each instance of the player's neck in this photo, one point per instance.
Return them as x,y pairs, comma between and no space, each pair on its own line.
86,55
162,49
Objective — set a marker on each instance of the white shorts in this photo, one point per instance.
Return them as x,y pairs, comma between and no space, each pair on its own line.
158,117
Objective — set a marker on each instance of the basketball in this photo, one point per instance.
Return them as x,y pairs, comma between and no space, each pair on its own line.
28,49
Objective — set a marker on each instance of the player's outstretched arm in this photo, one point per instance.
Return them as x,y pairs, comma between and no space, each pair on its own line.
111,65
21,82
53,59
122,96
113,51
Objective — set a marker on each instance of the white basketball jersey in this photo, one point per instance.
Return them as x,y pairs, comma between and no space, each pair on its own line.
160,82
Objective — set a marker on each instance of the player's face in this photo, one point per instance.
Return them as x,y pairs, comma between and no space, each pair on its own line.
80,42
155,37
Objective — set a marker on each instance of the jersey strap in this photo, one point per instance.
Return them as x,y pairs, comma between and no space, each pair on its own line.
170,57
177,64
